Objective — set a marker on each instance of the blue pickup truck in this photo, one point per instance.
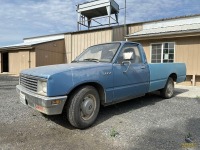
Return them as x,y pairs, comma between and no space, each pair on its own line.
103,74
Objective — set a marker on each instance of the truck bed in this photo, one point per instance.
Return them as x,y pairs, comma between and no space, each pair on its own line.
159,73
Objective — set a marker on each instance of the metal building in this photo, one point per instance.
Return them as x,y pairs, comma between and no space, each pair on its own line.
165,40
33,52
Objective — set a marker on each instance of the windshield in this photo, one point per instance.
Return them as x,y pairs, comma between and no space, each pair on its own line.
99,53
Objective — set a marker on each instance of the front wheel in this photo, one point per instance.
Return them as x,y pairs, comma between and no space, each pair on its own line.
83,107
168,90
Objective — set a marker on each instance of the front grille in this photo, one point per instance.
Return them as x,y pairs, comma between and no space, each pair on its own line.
28,82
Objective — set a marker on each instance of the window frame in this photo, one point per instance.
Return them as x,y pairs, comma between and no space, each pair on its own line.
139,51
162,51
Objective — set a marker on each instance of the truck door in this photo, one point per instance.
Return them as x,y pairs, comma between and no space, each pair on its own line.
131,74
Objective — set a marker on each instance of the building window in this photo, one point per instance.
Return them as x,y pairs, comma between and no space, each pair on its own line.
162,52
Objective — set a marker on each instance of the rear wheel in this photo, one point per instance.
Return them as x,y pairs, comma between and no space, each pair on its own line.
83,107
168,90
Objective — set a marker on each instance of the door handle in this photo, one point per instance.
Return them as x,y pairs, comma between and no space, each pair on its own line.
142,67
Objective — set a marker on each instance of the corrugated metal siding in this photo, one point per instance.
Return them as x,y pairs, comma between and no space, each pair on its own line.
77,42
0,63
146,46
32,59
50,53
68,47
24,60
187,50
18,61
119,34
14,62
134,28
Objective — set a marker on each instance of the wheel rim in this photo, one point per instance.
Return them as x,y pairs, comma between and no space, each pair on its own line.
88,107
170,89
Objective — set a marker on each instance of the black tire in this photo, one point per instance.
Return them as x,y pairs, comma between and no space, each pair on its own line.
168,90
83,107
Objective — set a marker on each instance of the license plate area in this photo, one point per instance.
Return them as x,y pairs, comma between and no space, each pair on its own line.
22,98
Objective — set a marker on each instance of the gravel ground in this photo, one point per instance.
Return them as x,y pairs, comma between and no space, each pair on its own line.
147,123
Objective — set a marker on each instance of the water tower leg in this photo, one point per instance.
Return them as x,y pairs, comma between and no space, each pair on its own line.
116,16
79,19
89,22
109,12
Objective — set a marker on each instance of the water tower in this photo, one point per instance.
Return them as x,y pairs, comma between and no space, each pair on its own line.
93,11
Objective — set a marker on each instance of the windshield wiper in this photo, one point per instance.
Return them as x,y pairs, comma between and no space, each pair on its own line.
91,59
75,61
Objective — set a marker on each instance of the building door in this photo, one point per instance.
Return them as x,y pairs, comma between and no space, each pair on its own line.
4,62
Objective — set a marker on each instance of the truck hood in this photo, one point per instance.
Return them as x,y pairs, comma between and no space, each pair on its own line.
47,71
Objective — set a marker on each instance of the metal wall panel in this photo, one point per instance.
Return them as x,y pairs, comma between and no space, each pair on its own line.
119,34
75,43
50,53
134,28
32,59
18,61
0,63
187,50
68,47
24,60
14,62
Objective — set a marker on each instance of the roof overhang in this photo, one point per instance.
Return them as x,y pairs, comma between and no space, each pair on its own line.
29,44
13,48
166,32
164,35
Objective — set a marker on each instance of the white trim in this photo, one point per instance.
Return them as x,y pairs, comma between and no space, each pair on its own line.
44,39
162,52
150,52
170,23
174,51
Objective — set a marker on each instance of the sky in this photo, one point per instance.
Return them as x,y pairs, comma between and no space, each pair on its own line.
28,18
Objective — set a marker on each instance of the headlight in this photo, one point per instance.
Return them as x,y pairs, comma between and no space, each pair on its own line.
42,87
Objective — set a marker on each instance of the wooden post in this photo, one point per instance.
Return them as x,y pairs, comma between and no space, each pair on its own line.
0,63
193,80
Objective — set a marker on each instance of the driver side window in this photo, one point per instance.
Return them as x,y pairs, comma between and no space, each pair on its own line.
129,52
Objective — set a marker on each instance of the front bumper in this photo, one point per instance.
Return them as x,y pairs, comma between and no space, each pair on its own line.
41,103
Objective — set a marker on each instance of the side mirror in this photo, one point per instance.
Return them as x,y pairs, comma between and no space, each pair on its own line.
128,56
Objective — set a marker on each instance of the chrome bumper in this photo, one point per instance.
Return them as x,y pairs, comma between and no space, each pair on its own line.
42,103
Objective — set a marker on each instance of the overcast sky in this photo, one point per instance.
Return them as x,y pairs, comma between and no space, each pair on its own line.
28,18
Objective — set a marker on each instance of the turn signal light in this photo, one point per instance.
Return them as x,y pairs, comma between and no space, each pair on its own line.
55,102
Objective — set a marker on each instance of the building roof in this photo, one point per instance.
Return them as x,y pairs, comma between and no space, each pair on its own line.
29,42
168,27
166,30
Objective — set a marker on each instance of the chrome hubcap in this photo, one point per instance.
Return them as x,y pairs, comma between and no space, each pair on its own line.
88,106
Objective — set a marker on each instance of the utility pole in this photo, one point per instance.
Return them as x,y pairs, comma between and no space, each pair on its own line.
125,31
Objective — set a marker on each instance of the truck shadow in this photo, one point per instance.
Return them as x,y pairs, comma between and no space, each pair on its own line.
110,111
117,109
179,91
134,104
127,106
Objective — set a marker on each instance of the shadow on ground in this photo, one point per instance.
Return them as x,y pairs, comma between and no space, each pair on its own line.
178,91
110,111
170,139
117,109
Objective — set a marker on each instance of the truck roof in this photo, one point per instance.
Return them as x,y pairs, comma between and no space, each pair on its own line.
122,42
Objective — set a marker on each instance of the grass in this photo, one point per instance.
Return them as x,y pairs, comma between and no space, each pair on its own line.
198,97
113,133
